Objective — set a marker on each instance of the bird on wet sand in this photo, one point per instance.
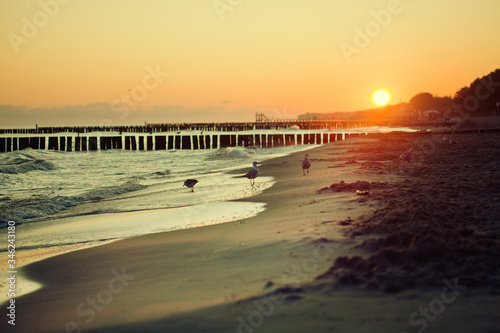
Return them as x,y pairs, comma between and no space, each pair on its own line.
406,156
252,173
306,164
190,183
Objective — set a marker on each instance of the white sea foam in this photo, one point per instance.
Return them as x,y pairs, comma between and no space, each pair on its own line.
99,227
232,153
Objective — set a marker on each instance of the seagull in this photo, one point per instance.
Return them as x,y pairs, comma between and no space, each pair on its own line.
406,156
306,164
252,173
190,183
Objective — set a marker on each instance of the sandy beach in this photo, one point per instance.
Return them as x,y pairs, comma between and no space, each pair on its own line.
416,250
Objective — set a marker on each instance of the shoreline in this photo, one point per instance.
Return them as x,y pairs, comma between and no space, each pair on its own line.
86,211
194,216
211,277
64,219
25,257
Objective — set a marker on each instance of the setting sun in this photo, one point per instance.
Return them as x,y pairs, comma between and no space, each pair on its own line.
381,97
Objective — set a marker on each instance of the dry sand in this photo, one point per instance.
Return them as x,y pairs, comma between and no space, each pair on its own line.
419,253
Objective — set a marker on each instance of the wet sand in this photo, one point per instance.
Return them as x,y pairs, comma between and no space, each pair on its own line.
419,252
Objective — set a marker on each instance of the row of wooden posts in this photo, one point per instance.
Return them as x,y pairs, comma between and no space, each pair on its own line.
212,127
163,142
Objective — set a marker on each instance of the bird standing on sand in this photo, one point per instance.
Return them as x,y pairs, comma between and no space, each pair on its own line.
252,173
306,164
406,156
190,183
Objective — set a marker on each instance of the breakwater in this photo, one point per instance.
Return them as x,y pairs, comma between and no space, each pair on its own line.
185,140
323,124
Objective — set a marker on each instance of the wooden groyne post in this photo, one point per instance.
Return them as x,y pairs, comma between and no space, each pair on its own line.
163,141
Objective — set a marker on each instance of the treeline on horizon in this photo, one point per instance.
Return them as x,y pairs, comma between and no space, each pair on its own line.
479,99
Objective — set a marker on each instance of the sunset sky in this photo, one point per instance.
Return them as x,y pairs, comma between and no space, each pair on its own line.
126,62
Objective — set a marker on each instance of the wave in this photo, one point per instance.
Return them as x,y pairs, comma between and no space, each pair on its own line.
111,191
230,153
23,162
23,209
42,206
163,173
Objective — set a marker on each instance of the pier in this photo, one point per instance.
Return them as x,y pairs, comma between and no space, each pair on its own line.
260,124
263,133
179,140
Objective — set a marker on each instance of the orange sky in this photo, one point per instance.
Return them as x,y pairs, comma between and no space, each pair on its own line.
237,57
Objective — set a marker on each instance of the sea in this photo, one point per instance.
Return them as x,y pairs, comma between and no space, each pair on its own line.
62,198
